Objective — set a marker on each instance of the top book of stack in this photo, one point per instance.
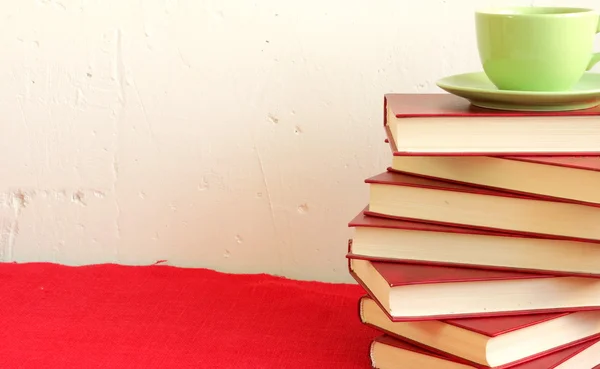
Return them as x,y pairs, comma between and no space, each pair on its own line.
444,124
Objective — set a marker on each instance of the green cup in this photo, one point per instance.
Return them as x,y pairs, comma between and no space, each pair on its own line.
536,48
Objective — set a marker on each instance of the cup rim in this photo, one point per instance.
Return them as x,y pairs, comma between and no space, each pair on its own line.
512,11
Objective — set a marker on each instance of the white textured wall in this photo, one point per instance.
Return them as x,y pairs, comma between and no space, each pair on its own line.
233,135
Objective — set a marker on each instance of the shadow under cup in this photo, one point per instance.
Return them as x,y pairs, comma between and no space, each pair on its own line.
536,48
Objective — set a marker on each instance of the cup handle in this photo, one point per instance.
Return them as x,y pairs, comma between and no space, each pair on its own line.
595,56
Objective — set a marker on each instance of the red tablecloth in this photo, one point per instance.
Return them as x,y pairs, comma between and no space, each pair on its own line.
110,316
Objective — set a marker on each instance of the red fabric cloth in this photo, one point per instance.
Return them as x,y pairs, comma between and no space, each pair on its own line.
110,316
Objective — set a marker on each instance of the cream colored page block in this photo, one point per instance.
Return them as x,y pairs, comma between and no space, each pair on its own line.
496,296
507,213
544,179
500,134
521,252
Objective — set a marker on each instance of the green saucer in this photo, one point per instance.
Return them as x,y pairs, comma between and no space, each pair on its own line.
477,88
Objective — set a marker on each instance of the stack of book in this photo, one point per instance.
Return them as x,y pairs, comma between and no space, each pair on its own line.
480,245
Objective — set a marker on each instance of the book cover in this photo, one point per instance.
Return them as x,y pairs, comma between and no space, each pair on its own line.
446,106
549,361
570,229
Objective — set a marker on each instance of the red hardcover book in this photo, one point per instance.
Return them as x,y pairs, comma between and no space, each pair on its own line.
493,341
387,352
423,199
575,178
408,292
384,239
444,124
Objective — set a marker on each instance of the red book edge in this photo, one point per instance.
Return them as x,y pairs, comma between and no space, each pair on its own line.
495,154
553,358
541,272
452,357
566,161
473,323
462,316
399,274
393,179
489,326
379,221
459,107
